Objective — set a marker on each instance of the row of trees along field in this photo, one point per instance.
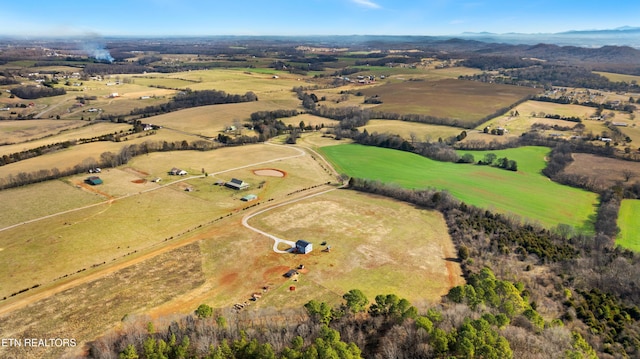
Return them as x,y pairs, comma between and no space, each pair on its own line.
188,98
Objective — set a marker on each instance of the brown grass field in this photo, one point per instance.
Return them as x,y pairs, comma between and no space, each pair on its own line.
522,123
211,120
85,130
21,131
74,155
373,253
619,77
112,229
405,129
89,309
467,101
309,120
376,244
605,171
42,199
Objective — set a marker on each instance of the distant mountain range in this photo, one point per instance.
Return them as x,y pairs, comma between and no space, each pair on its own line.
622,36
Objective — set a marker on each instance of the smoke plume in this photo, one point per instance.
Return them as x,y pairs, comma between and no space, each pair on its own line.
94,47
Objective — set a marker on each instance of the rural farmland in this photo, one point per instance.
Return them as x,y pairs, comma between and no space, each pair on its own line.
356,196
526,193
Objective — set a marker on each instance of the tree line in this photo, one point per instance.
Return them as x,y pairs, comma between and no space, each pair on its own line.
107,159
31,92
188,99
549,75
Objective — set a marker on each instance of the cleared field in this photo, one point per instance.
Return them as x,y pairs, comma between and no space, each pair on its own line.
212,120
619,77
41,199
22,131
87,311
466,101
603,171
309,120
629,225
369,238
241,81
93,130
72,156
522,123
525,193
406,129
516,125
41,251
155,81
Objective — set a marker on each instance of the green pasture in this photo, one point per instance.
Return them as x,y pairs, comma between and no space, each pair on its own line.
525,193
629,225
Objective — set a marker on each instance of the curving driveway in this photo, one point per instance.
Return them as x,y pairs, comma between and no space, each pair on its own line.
277,240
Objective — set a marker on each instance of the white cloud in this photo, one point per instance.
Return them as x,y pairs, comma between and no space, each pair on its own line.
367,3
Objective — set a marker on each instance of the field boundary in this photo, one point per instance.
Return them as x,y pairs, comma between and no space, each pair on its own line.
109,201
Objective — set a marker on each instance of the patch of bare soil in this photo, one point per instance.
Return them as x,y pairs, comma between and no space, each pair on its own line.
270,172
93,189
136,171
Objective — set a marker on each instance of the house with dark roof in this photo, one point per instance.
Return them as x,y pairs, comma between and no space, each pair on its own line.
303,247
93,180
177,172
237,184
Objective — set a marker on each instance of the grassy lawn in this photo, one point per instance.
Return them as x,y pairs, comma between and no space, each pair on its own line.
629,225
525,193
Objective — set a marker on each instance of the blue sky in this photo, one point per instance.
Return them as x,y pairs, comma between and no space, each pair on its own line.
309,17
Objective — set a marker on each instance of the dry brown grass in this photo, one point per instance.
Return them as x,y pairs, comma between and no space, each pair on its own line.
405,129
602,170
86,311
68,158
374,247
22,131
89,131
467,101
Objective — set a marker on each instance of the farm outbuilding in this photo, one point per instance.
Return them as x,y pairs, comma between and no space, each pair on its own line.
249,198
237,184
93,180
303,247
177,172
